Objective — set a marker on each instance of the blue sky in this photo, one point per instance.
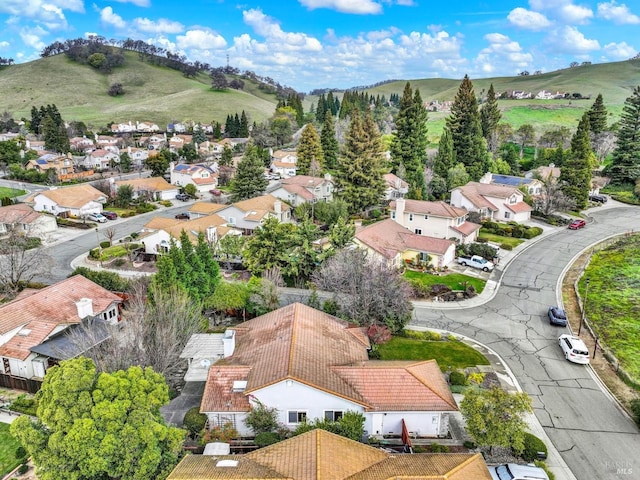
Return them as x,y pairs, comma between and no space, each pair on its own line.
309,44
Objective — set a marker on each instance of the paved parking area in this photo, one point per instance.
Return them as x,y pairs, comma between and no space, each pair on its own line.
190,397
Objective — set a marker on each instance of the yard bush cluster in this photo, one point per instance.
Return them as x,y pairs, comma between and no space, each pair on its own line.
555,220
532,445
635,410
420,290
25,405
481,249
511,229
428,335
194,421
457,378
145,207
105,244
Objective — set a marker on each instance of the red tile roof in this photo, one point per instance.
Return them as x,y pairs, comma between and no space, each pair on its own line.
477,192
19,213
32,334
437,209
304,181
219,395
466,228
518,207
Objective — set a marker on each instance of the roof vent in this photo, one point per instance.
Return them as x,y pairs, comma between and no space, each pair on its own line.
239,385
227,463
25,331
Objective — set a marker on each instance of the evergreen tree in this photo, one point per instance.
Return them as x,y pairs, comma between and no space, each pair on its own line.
322,108
243,128
228,127
409,144
464,124
489,118
199,136
125,162
226,158
359,175
310,156
217,130
236,126
625,162
249,181
329,142
36,118
598,116
575,175
446,156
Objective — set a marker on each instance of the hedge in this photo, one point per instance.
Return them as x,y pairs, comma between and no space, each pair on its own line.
457,378
532,445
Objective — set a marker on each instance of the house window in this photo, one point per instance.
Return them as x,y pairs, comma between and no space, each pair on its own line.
418,231
426,217
507,214
411,217
513,200
297,416
333,415
460,220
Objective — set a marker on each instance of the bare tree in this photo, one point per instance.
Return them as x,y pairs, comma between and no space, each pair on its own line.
603,144
552,198
368,291
109,233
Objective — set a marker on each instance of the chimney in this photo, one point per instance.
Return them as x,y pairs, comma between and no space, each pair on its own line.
400,211
85,308
486,178
229,342
277,207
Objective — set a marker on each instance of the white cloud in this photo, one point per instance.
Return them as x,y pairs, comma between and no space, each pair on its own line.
139,3
619,14
4,44
165,43
502,54
161,25
200,40
575,13
564,10
345,6
108,17
619,51
32,37
570,40
48,12
527,19
269,28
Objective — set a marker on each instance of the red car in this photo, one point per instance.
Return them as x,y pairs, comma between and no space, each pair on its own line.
576,224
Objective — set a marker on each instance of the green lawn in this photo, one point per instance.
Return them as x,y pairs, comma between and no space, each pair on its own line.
492,237
8,445
455,281
613,300
450,353
10,192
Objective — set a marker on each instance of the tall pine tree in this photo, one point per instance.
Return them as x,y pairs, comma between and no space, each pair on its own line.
360,168
310,158
625,161
489,118
446,156
409,144
575,174
598,116
249,181
466,131
329,142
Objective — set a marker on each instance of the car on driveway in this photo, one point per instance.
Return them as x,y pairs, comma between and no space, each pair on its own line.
514,471
183,216
182,196
574,349
598,198
96,217
110,215
215,192
557,316
576,224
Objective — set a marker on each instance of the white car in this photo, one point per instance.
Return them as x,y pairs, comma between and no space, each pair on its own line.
513,471
574,349
97,217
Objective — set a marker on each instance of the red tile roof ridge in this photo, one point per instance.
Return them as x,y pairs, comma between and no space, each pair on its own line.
432,387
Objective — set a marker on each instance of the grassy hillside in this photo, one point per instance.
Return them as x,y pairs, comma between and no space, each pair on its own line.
152,93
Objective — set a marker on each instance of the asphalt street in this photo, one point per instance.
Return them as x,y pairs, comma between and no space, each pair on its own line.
595,438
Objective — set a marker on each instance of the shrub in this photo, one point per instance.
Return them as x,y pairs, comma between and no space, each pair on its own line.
532,445
439,289
225,434
21,453
118,262
105,244
194,421
330,307
432,336
419,449
469,444
531,232
24,468
413,334
134,235
457,378
420,290
635,410
476,378
25,405
506,246
542,465
94,253
266,438
437,448
379,334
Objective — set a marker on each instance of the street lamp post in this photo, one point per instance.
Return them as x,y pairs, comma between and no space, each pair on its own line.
584,306
99,248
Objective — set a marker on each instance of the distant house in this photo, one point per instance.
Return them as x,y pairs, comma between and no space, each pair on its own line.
137,155
434,219
203,177
532,185
60,164
395,187
76,200
495,202
202,209
37,315
153,188
392,243
319,454
147,127
82,144
544,172
304,189
248,215
25,220
283,162
176,142
311,365
100,159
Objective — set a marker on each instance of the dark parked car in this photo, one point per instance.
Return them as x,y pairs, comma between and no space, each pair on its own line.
183,216
598,198
110,215
182,196
557,316
576,224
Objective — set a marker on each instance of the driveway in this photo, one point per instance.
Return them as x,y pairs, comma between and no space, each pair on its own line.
190,397
595,438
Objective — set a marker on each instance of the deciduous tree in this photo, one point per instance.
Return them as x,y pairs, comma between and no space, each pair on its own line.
20,262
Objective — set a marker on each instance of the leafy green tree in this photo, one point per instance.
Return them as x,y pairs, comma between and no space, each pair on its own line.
228,296
409,144
218,80
625,159
191,190
10,152
310,156
329,142
124,195
125,162
350,425
55,135
446,156
490,118
283,124
438,187
466,131
226,158
575,174
329,212
457,176
359,175
249,181
158,164
509,153
494,417
341,233
262,419
94,425
270,247
598,116
188,152
527,135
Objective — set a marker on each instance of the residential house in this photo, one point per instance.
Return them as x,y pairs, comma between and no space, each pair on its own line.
8,136
152,188
248,215
36,315
202,209
36,145
544,172
311,365
394,244
532,185
201,176
283,162
176,142
434,219
138,156
304,189
106,141
82,144
395,187
495,202
319,454
147,127
24,219
60,164
100,159
76,200
158,233
125,127
155,142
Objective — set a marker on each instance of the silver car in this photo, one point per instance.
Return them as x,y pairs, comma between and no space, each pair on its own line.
513,471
